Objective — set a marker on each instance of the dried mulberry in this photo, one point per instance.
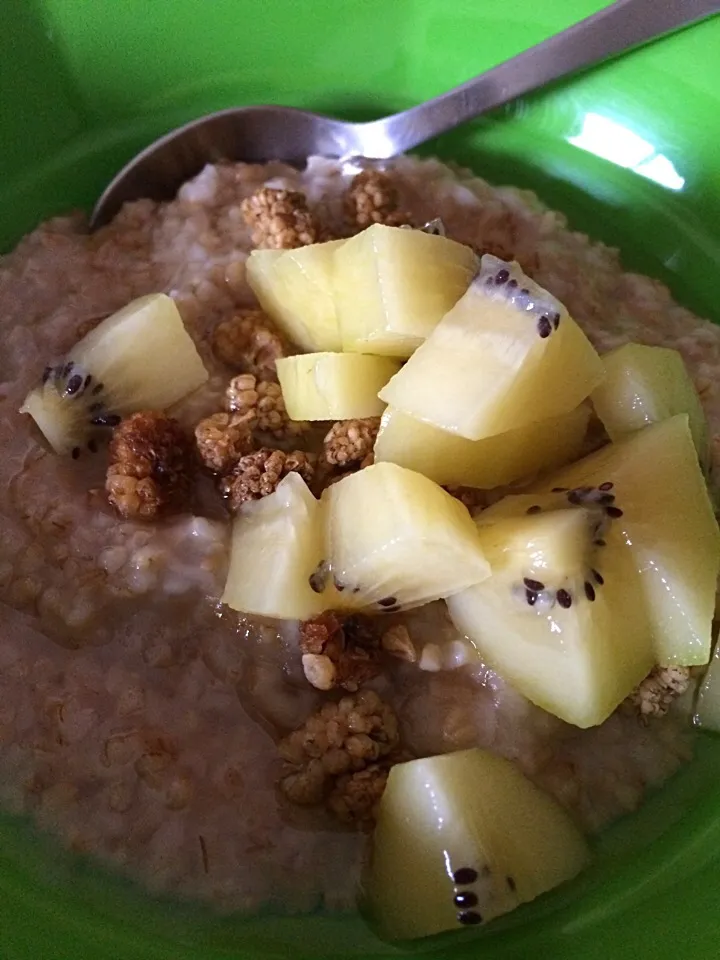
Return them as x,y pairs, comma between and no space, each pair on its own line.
151,466
280,219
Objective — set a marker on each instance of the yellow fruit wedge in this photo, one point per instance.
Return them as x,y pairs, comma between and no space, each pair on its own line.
461,839
139,358
295,289
334,386
396,540
708,699
669,528
644,385
392,285
563,617
506,355
448,458
277,545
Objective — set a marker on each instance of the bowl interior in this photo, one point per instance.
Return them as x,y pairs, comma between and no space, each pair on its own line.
624,151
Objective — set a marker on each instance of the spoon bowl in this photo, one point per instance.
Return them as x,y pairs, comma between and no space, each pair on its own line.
253,134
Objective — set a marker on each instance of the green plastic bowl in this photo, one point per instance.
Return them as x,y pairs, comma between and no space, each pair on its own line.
628,151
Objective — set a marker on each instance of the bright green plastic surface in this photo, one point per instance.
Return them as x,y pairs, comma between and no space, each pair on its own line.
85,83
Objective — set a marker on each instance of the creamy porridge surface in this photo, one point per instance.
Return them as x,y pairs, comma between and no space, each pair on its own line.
136,718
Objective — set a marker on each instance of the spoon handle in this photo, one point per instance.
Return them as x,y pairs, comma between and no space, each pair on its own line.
610,31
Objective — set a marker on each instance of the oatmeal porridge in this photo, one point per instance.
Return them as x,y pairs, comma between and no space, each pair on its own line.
239,759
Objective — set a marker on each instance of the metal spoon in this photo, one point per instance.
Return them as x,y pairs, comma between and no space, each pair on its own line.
258,134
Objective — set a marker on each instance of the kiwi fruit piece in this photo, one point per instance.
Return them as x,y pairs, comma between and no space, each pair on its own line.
139,358
461,839
644,385
562,618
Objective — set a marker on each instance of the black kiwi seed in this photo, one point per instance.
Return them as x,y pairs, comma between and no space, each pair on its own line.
524,292
108,420
544,328
511,884
535,508
73,385
469,917
555,318
531,598
600,543
465,875
98,388
67,369
88,381
387,602
502,276
559,490
614,512
75,453
533,584
564,599
606,486
512,283
47,372
598,577
318,578
589,590
338,585
466,898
